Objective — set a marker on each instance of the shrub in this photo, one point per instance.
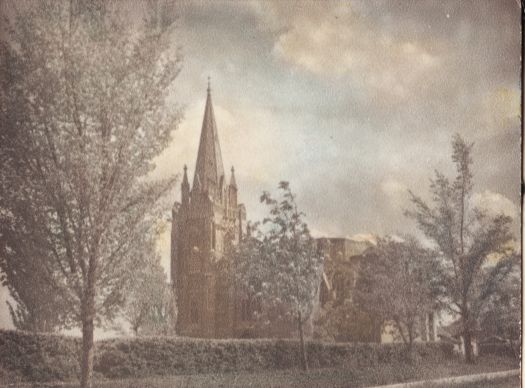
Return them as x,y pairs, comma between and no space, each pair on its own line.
39,357
500,349
44,357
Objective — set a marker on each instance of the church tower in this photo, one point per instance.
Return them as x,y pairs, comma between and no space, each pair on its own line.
204,223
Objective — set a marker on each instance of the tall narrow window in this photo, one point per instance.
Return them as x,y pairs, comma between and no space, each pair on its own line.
194,312
244,309
213,239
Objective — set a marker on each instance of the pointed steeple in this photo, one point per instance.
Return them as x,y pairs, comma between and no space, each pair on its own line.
233,183
185,189
196,184
209,168
185,177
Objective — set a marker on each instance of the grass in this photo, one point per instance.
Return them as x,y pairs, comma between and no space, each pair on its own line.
326,377
513,382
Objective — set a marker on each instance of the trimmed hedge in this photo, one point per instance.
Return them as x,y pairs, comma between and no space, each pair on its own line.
39,357
501,349
47,357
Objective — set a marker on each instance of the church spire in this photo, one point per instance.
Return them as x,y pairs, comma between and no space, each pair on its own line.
185,177
209,168
233,183
185,189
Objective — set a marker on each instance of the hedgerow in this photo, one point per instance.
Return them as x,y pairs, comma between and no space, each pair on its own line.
48,357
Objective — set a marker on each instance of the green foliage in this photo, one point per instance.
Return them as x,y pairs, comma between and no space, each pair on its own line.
465,239
346,322
83,112
500,316
281,265
397,284
41,357
150,304
83,115
278,262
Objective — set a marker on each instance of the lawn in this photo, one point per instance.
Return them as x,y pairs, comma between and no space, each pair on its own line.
513,382
326,377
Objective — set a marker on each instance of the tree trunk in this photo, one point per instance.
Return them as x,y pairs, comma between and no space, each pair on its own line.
304,362
467,335
410,345
469,356
88,314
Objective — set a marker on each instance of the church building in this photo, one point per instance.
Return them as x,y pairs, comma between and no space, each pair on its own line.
206,221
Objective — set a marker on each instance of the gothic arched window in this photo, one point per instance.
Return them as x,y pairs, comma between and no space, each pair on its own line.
213,237
194,312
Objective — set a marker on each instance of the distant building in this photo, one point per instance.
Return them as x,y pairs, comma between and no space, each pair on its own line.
453,334
340,271
426,331
341,267
205,222
342,256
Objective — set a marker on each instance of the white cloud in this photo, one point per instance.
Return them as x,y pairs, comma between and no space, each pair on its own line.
392,187
332,39
396,193
364,237
495,204
501,109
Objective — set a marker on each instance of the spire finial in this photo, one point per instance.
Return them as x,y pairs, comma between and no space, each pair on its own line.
185,177
209,82
233,183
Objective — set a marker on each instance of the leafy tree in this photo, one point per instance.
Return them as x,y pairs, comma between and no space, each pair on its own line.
83,112
149,306
36,308
501,315
346,322
397,284
340,319
279,262
466,237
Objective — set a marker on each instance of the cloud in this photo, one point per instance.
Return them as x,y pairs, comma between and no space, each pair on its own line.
502,107
351,101
251,139
495,204
418,66
364,237
393,188
335,39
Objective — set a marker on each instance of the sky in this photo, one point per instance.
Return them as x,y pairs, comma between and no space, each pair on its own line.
352,102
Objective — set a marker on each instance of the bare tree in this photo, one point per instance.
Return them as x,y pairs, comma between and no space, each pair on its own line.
397,283
83,113
281,265
466,237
